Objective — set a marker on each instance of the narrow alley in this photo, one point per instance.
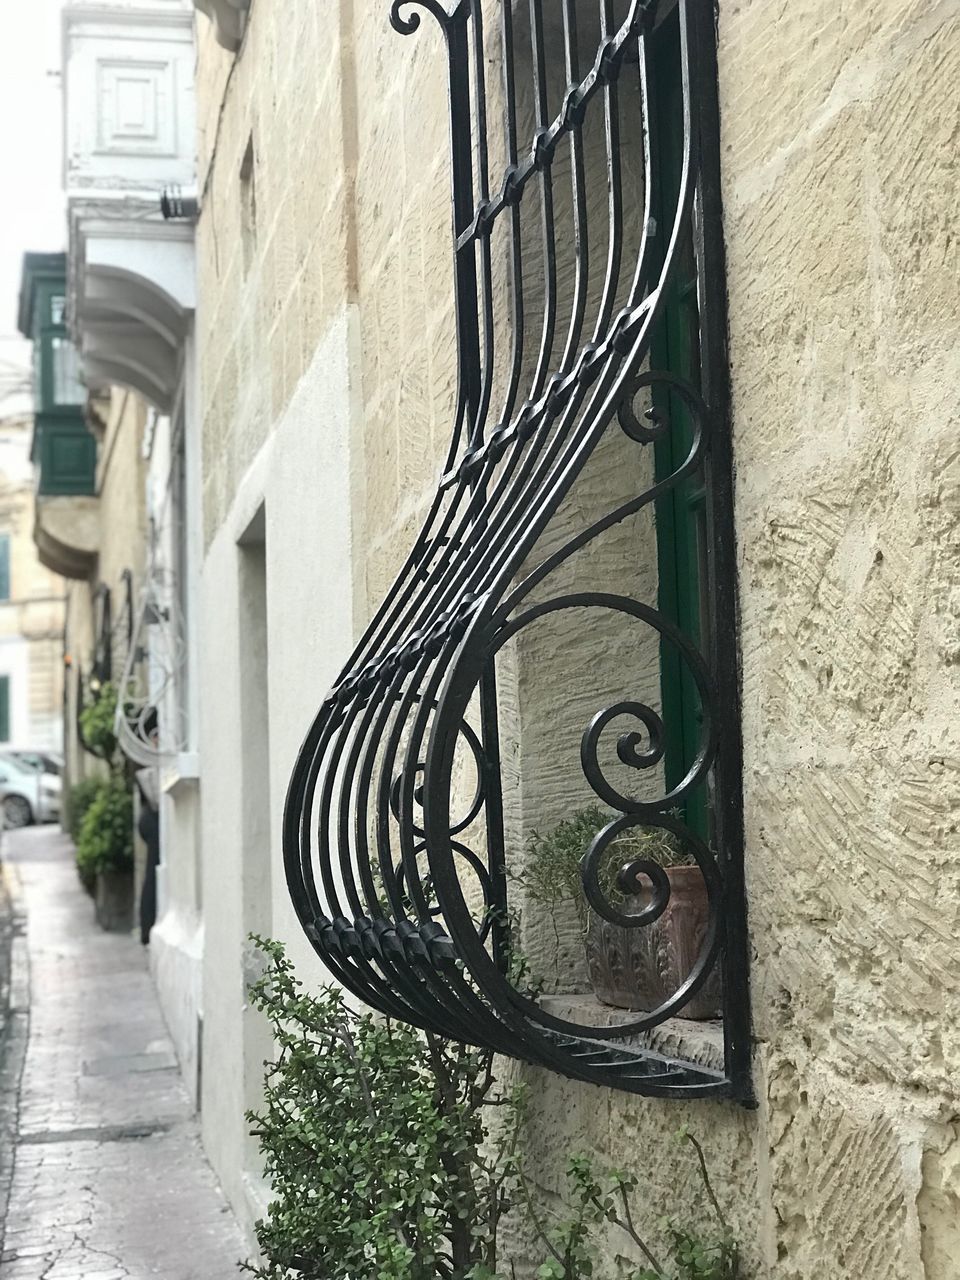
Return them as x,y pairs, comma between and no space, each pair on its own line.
102,1176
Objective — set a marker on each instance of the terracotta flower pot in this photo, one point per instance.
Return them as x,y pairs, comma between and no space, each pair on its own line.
114,900
640,968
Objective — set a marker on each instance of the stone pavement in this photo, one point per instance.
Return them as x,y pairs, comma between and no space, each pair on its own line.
106,1179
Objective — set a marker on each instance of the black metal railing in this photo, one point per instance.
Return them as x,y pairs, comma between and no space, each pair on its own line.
398,839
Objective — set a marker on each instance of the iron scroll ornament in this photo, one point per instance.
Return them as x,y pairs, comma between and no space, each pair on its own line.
407,907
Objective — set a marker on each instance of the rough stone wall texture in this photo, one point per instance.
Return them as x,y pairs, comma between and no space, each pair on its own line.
839,142
121,475
271,246
843,267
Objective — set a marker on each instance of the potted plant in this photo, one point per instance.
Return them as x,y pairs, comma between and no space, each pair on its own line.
81,796
638,967
103,833
105,854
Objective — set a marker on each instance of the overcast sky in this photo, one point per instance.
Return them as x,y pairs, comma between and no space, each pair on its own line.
31,208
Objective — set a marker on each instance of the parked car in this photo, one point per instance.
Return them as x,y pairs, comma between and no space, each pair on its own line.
43,761
27,794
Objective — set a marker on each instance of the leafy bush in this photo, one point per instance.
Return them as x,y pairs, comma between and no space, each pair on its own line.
386,1164
373,1137
598,1200
81,797
105,838
96,724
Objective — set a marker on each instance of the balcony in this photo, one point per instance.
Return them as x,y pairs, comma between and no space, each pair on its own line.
64,451
128,77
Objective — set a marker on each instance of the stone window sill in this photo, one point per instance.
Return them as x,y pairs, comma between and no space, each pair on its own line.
699,1042
183,772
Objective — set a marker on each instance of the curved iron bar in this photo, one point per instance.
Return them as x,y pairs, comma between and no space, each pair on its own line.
374,836
150,720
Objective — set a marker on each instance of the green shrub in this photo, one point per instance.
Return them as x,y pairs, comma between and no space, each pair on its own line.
386,1163
597,1201
105,838
372,1134
81,797
96,724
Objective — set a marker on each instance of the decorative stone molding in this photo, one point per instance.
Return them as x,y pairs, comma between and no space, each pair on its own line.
67,533
129,133
229,18
132,296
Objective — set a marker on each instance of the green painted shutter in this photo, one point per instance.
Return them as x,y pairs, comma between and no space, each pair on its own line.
4,708
680,513
4,566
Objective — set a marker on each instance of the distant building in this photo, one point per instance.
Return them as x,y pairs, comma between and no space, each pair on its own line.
31,607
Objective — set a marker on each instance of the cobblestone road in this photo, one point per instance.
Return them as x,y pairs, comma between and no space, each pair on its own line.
100,1162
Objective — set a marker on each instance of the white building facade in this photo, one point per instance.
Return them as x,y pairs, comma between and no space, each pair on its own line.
129,138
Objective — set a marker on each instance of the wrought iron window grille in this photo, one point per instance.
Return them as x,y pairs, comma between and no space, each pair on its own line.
151,719
606,345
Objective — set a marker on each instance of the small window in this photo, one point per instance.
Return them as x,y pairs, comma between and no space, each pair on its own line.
58,306
65,381
4,566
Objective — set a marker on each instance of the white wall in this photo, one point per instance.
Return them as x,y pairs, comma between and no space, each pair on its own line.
176,942
301,477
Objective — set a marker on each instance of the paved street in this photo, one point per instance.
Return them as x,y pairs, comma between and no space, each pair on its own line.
100,1160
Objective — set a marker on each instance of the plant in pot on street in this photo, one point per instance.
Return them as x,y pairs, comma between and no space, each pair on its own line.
97,724
81,796
630,967
105,852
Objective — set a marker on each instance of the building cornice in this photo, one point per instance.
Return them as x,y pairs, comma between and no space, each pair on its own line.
131,286
74,15
66,531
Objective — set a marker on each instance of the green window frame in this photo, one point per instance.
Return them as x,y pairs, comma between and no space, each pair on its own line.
4,566
680,513
4,708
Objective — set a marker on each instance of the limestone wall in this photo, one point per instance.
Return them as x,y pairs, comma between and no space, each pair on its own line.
839,172
324,243
121,472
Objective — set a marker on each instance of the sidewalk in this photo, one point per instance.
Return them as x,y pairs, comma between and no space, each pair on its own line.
109,1181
